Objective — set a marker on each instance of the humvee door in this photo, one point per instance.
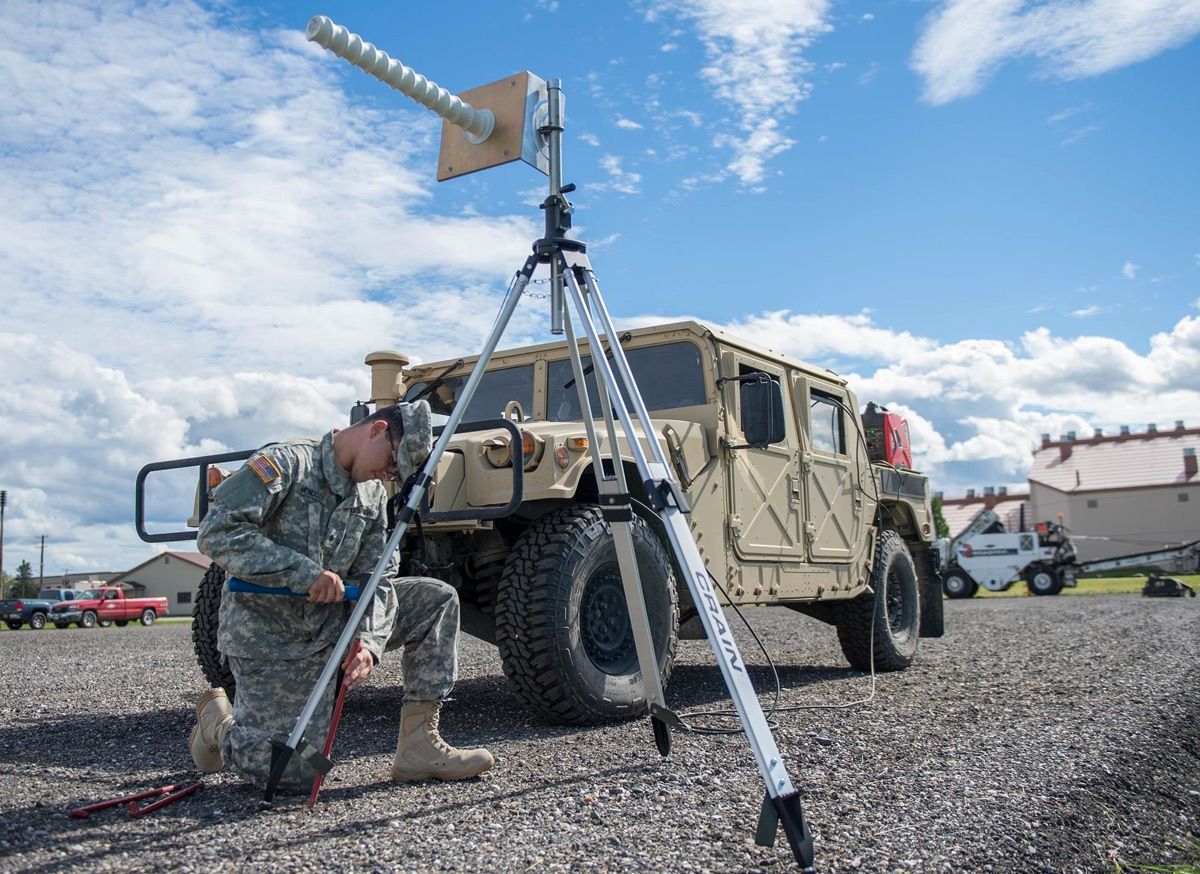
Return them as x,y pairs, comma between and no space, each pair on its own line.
764,483
834,508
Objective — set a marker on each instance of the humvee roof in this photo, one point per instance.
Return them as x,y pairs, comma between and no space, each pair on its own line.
700,329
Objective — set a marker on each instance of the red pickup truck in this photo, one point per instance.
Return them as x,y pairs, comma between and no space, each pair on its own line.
107,606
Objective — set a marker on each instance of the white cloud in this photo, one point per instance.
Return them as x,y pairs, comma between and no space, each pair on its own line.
668,47
868,16
590,139
756,65
627,123
619,179
965,41
1086,312
976,408
1078,134
818,337
1069,112
603,242
201,240
1129,271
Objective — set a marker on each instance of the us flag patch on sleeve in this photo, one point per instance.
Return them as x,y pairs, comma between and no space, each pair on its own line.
264,468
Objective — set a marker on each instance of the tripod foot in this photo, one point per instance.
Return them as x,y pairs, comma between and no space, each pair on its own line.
662,720
281,754
662,736
786,809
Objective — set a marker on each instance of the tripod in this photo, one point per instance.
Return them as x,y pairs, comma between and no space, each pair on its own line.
574,282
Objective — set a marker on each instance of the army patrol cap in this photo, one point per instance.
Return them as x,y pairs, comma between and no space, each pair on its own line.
416,436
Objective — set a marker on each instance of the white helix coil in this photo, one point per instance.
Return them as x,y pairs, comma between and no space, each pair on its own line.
478,124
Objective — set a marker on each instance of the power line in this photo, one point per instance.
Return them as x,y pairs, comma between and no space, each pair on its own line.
3,504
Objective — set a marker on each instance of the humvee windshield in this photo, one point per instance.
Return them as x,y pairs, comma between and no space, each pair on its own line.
669,376
496,389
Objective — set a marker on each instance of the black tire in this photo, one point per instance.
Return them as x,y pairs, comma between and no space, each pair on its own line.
561,621
62,624
13,626
1043,581
105,623
148,616
894,609
88,619
121,623
37,621
206,619
956,583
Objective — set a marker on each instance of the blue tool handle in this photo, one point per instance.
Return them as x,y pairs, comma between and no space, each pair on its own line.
236,585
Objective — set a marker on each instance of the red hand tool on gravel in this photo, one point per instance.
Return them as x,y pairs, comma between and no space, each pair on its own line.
355,648
165,795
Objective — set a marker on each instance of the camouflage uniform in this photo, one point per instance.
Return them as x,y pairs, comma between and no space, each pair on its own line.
290,513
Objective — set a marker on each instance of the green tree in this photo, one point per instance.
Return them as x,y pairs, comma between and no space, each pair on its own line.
939,521
24,586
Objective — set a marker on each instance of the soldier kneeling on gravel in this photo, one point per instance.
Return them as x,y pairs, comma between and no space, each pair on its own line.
303,515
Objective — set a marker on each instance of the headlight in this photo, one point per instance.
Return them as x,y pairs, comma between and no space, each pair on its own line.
498,450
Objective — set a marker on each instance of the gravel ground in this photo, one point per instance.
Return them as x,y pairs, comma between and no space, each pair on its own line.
1040,734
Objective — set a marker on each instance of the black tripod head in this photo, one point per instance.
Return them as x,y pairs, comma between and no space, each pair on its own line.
558,221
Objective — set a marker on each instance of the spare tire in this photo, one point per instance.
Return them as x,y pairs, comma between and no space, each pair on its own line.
206,619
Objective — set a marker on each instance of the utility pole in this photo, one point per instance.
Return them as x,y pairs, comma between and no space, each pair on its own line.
3,504
42,564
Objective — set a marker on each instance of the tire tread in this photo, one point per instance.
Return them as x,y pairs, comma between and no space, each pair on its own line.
526,616
206,618
854,621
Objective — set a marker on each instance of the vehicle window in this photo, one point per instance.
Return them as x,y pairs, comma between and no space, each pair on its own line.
89,595
773,426
828,433
668,376
48,594
110,596
496,389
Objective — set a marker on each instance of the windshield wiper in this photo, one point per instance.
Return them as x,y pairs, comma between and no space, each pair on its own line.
623,339
437,380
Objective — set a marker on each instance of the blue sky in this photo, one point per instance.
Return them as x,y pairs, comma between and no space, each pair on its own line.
984,212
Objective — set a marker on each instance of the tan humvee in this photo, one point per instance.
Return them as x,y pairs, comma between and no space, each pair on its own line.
812,520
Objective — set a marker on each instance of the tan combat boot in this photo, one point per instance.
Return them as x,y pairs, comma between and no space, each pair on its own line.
421,754
214,717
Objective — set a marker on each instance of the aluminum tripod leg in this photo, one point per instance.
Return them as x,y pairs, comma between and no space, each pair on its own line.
284,751
618,512
783,802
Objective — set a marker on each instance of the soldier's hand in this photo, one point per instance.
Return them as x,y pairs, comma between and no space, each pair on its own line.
327,588
357,668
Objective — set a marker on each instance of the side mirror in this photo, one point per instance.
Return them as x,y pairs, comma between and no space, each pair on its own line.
762,412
